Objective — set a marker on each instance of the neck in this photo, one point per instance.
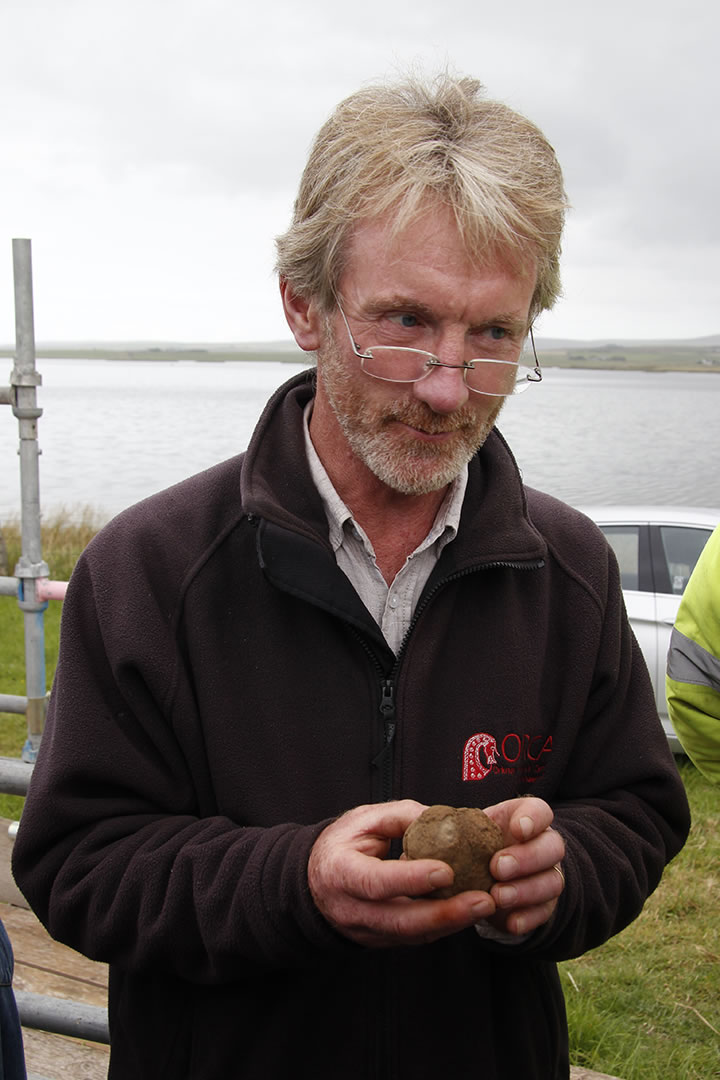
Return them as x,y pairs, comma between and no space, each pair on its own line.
396,529
394,522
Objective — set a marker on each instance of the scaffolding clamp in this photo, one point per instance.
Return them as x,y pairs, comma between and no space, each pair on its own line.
25,378
27,571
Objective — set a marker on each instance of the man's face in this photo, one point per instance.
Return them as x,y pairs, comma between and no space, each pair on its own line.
419,290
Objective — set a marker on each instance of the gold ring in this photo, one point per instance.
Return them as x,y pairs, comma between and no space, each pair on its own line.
557,868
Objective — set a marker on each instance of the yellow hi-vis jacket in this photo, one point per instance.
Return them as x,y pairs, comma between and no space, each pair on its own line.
693,666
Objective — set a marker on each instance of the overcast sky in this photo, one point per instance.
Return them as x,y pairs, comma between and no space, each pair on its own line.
151,150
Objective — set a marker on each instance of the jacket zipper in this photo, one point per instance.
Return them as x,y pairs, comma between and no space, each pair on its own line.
384,760
384,763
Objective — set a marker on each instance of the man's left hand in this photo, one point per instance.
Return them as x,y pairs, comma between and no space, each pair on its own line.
528,870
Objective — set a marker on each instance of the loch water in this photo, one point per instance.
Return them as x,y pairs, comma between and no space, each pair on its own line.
113,432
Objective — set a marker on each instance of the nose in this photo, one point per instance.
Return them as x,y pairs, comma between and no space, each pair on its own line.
444,389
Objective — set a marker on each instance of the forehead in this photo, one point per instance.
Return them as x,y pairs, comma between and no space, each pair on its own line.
427,259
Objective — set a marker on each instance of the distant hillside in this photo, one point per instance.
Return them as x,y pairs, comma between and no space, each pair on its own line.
712,340
137,350
648,356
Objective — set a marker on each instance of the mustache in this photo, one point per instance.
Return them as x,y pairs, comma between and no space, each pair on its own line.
419,415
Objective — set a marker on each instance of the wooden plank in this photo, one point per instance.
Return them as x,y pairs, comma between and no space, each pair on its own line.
588,1074
9,892
60,1058
44,966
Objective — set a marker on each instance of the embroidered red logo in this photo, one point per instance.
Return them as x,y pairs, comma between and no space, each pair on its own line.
519,755
473,766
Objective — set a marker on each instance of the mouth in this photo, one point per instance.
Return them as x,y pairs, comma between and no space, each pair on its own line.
429,436
433,431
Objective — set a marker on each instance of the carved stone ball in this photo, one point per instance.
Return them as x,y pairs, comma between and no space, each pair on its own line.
464,837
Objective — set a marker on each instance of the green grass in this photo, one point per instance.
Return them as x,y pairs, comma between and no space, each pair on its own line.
644,1006
63,538
13,727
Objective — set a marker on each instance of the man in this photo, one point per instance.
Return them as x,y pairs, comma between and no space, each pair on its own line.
693,664
269,670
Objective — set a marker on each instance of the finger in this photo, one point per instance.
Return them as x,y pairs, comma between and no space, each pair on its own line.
533,857
412,922
374,879
527,919
427,920
529,892
521,819
373,825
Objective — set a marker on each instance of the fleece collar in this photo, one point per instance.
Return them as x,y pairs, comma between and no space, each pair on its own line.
277,487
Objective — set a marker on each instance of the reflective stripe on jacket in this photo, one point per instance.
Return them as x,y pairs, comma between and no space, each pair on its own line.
693,668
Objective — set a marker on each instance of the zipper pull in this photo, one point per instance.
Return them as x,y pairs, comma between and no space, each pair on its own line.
383,762
387,710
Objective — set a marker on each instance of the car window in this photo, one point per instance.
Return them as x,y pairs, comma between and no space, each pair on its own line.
682,546
625,542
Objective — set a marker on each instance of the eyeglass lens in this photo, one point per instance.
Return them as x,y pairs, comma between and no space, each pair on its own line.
494,377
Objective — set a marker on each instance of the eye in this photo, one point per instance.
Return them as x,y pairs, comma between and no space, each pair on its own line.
497,333
405,319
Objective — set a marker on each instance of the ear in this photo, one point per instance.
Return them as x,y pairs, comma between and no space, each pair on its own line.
303,317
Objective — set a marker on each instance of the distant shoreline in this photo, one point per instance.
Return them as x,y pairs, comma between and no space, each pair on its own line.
579,357
169,355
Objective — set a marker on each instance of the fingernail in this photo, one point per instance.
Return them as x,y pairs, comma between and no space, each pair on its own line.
440,878
482,909
506,866
506,895
526,827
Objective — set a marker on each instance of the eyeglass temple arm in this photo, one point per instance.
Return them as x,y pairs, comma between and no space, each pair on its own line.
355,347
535,375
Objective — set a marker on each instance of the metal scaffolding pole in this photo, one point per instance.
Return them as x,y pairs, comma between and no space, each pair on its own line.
24,382
62,1017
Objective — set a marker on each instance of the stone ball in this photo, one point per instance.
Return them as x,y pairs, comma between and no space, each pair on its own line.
464,837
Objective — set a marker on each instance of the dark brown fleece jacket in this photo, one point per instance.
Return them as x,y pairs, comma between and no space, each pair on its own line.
218,700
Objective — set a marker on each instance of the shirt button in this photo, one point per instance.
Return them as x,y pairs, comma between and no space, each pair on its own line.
394,601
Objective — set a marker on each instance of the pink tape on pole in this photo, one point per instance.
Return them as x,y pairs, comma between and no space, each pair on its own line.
50,590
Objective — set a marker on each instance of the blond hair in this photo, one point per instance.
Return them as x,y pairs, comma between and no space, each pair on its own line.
390,147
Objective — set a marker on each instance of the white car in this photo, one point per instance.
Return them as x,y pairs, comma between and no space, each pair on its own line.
657,548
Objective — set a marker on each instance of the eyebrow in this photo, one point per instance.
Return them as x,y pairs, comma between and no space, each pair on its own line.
507,320
510,322
398,302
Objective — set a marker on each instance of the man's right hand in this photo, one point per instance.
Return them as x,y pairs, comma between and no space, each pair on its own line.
369,898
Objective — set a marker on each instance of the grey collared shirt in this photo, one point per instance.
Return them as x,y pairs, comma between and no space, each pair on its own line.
391,606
